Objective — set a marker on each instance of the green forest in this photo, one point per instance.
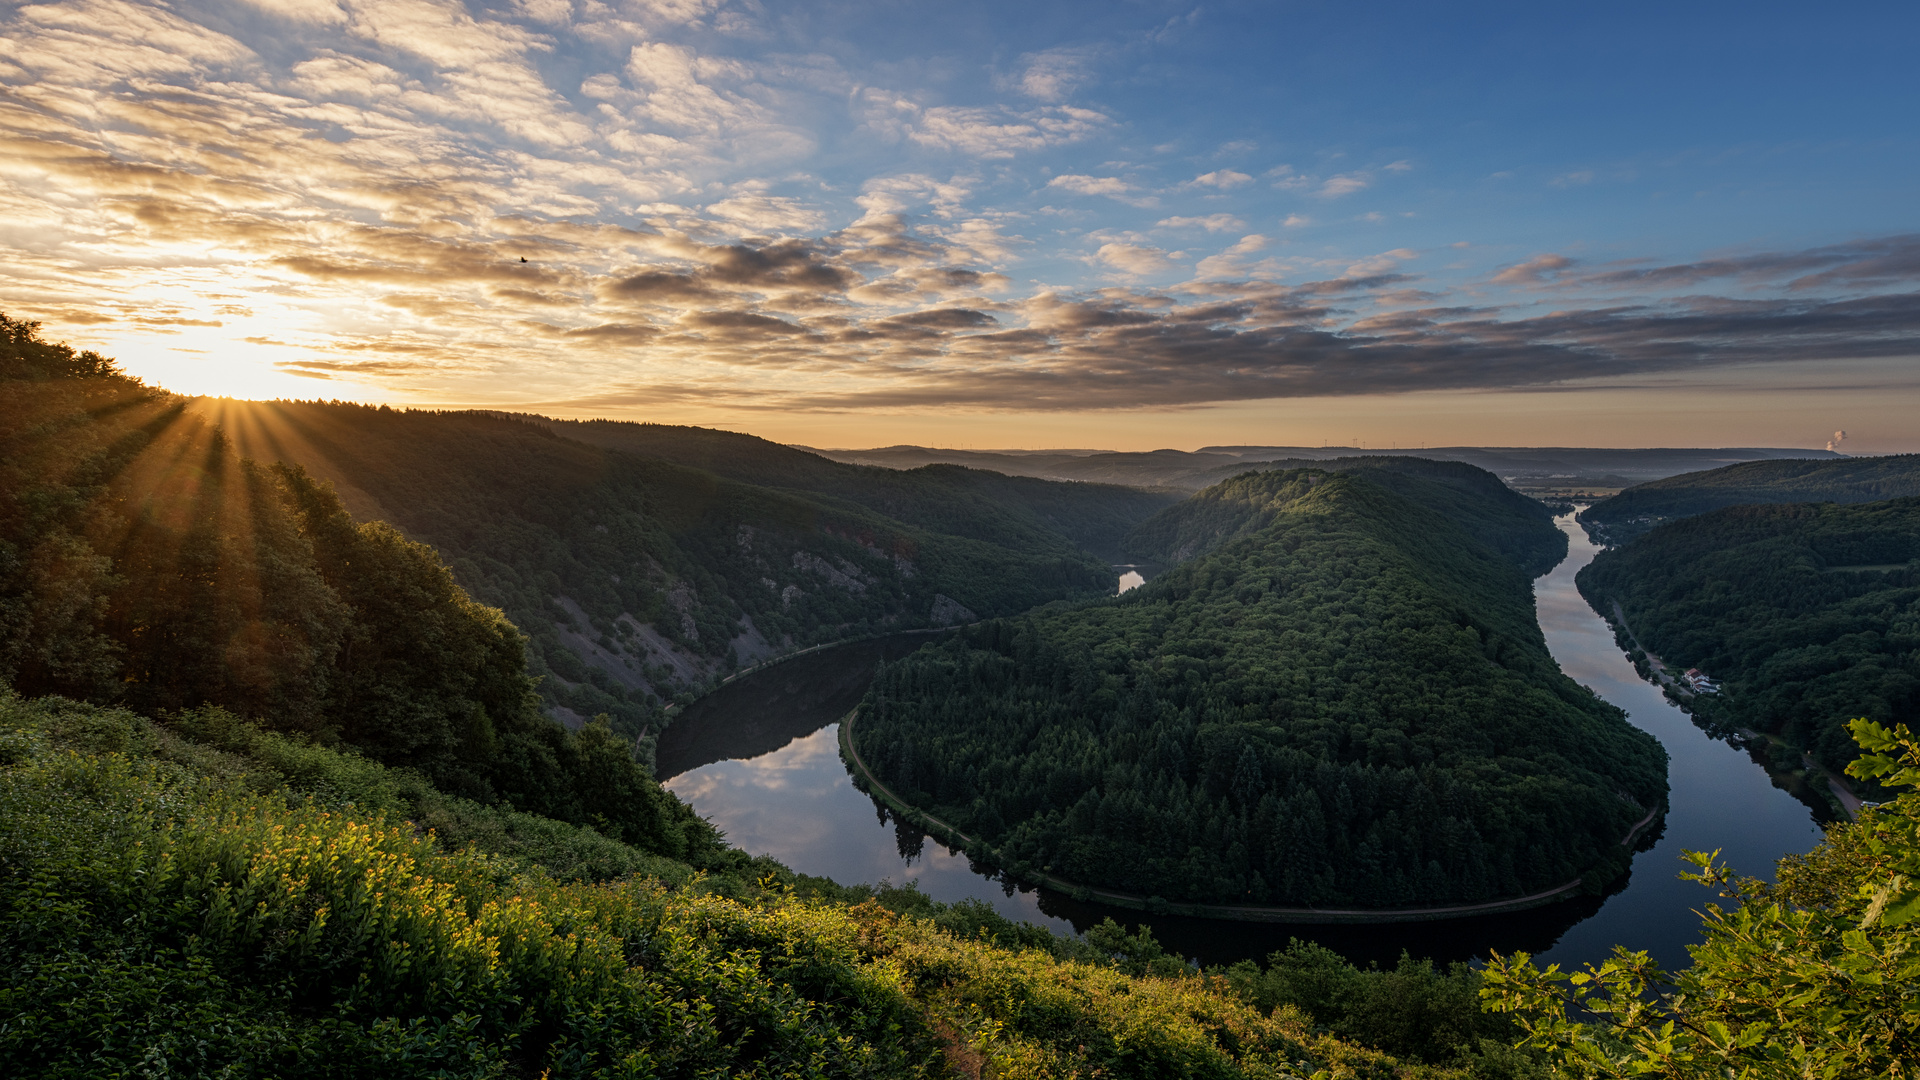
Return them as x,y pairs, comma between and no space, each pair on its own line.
277,799
1345,702
1846,480
1808,614
644,562
1471,498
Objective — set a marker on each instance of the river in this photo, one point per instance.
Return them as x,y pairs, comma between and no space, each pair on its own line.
760,758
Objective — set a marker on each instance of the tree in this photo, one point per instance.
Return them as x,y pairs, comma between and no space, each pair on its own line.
1817,975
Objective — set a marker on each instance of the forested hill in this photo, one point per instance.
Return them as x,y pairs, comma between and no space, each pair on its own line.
1807,613
143,562
972,502
1847,480
1472,498
1348,703
640,578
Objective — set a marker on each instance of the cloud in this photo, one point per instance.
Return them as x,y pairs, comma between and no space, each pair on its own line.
1222,179
324,12
747,325
943,319
997,133
894,194
1334,187
1100,356
1211,223
1234,261
768,213
365,180
1539,270
1090,185
1110,186
1134,259
1873,262
1053,75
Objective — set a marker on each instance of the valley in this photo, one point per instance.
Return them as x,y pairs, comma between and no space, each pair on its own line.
1330,697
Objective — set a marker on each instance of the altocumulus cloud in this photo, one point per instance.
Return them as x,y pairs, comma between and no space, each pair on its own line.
601,205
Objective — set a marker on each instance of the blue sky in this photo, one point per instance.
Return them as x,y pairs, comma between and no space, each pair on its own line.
1128,225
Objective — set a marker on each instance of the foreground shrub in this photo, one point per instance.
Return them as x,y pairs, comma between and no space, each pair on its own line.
165,917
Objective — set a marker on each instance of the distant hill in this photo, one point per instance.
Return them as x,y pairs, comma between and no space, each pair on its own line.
645,561
964,500
1344,701
1808,613
1499,517
1526,468
1834,480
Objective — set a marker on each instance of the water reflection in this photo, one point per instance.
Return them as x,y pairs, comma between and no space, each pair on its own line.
760,758
1719,798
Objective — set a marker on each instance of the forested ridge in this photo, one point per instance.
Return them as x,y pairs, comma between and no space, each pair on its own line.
310,822
953,499
641,572
1349,703
143,562
1807,613
1492,513
227,879
1846,480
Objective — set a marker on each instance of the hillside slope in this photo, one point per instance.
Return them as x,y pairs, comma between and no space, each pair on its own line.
1808,614
641,575
1847,480
949,498
1473,499
1349,703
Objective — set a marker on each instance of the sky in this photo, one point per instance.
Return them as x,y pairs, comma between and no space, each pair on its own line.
1123,225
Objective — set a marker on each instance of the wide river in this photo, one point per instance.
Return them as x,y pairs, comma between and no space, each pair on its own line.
760,758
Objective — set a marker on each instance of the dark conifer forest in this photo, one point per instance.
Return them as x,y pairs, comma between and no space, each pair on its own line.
1807,614
645,562
1846,480
1345,702
279,797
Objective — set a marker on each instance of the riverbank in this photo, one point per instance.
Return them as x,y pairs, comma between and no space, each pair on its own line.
676,708
1814,778
953,837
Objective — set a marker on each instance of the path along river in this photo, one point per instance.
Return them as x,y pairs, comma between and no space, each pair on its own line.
760,758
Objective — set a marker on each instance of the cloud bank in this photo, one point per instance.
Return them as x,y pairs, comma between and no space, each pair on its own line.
601,205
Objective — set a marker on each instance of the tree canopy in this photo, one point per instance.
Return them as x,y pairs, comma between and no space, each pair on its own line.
1791,480
144,562
1346,702
1806,613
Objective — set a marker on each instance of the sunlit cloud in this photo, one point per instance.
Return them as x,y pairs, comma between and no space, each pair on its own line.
1220,179
671,205
1211,223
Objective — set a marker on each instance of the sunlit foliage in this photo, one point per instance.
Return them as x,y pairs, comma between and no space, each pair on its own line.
143,561
164,910
1817,975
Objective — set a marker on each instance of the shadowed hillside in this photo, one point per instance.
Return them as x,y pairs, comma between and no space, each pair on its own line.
1492,513
1344,701
652,560
1807,613
1848,480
